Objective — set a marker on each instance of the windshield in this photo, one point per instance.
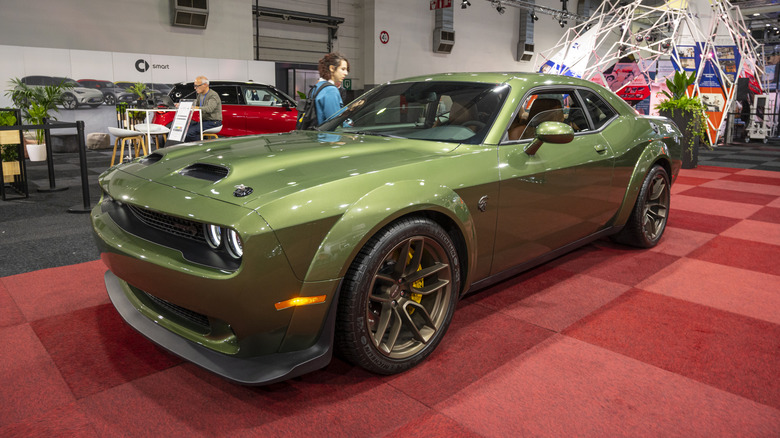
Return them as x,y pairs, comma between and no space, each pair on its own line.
441,111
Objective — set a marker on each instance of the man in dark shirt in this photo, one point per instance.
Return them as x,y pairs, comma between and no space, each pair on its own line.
210,109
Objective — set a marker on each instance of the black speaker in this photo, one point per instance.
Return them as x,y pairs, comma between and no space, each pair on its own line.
190,13
742,89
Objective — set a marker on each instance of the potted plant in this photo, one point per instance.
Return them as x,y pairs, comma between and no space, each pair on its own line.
688,113
8,151
38,104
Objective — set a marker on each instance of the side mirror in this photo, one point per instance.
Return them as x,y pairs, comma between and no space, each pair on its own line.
550,132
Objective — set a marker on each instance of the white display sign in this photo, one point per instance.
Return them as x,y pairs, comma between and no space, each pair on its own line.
181,121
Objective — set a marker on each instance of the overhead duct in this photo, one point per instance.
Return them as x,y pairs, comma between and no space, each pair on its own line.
525,43
444,31
190,13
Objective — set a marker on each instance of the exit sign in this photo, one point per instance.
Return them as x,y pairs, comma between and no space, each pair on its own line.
441,4
347,84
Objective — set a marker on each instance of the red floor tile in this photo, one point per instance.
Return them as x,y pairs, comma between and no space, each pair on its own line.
749,293
433,425
559,306
753,179
739,253
704,223
67,421
730,195
31,383
479,337
712,170
616,263
722,349
767,214
95,349
741,186
690,180
9,312
756,231
60,290
714,207
680,242
568,388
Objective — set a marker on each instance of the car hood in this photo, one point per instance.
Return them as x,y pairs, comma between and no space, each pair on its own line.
278,165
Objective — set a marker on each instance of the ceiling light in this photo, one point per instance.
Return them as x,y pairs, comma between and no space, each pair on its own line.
465,4
500,9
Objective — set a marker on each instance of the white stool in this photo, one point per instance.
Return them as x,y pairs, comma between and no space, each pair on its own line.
212,132
153,129
126,136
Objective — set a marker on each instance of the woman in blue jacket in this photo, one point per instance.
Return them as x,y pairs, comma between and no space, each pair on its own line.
333,68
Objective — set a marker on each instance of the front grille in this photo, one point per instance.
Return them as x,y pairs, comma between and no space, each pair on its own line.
185,314
169,224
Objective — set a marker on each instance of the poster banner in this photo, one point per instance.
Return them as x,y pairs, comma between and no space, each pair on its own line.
573,59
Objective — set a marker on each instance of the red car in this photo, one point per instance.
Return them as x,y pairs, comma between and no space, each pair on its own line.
247,107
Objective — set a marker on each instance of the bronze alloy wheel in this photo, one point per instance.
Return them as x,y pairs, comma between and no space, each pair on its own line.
399,296
647,222
656,207
409,297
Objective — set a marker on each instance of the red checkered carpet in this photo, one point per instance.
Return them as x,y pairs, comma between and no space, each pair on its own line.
679,340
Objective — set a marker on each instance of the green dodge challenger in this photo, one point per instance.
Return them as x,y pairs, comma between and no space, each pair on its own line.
257,257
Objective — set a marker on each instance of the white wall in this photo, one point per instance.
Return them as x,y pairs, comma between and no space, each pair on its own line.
136,26
485,40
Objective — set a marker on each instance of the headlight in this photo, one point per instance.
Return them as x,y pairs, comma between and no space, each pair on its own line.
234,245
213,235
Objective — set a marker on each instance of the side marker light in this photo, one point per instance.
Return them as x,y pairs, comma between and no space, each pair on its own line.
300,301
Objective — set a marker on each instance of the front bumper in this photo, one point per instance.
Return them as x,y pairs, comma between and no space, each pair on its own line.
258,370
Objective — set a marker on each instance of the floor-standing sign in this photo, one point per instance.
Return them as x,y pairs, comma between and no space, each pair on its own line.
180,123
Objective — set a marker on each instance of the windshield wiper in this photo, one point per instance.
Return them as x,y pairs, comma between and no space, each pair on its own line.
373,133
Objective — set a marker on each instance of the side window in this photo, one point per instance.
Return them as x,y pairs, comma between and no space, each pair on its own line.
600,112
546,106
259,96
227,93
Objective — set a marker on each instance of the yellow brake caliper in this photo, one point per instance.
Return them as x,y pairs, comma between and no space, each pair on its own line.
419,284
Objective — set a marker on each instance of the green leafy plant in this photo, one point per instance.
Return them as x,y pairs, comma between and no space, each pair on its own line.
37,115
691,107
37,102
8,152
138,89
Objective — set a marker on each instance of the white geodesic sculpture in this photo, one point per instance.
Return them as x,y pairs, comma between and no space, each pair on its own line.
633,48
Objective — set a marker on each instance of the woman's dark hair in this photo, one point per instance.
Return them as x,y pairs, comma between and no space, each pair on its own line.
334,59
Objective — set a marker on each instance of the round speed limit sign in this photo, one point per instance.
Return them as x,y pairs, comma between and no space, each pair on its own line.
384,37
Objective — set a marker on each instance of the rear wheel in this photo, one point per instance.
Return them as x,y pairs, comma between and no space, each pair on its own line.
648,219
109,99
398,297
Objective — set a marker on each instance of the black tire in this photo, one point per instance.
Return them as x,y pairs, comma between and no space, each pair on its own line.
94,105
647,222
383,326
69,101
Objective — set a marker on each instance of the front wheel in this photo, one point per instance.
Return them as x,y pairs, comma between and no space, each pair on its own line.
398,297
648,220
69,101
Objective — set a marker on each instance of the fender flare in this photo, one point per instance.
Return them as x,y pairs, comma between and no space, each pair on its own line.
380,207
655,152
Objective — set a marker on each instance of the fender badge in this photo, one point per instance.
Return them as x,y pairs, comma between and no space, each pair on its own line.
242,190
482,204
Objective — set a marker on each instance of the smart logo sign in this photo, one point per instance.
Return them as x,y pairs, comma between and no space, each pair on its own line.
142,66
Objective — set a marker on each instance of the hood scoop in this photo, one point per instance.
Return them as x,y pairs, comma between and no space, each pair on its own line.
208,172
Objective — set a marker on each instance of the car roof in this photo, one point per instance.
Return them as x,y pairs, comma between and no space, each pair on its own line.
223,82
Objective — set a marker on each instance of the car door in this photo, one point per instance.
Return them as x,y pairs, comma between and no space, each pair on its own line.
561,193
233,118
265,112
